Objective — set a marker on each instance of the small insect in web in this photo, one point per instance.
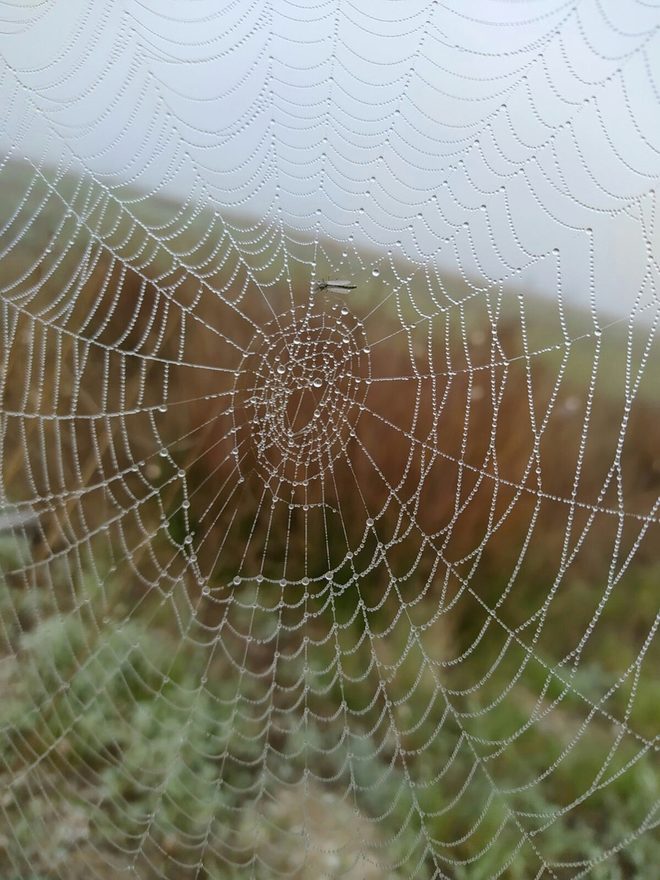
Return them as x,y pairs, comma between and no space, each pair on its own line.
335,286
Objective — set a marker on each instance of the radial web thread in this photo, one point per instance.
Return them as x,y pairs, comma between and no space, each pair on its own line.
302,580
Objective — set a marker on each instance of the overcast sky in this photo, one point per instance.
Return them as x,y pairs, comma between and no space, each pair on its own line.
487,136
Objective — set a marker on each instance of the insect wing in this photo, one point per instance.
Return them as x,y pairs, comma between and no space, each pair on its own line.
339,285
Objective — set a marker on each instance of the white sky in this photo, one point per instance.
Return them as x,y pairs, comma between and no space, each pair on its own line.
545,112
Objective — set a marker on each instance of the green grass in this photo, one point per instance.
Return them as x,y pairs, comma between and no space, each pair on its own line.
111,755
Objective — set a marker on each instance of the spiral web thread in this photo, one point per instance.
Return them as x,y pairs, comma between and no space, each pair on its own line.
316,582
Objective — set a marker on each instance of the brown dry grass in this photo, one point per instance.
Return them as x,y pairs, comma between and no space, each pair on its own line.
444,465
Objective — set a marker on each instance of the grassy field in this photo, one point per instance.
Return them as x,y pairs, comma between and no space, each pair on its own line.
479,717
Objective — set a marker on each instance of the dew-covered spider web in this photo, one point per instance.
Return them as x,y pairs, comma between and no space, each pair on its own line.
309,579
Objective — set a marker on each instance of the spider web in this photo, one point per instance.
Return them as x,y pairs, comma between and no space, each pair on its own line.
307,581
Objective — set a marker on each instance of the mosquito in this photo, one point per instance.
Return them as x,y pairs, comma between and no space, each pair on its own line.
335,286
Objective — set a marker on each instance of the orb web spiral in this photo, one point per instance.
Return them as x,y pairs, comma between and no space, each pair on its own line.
313,578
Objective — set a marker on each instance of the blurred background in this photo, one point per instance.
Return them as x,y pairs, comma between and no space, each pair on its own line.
315,582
